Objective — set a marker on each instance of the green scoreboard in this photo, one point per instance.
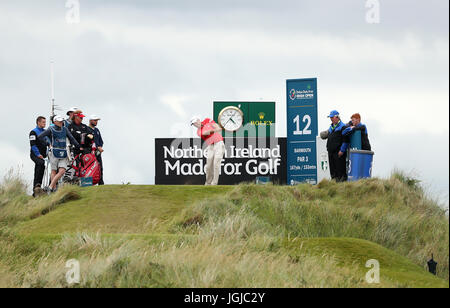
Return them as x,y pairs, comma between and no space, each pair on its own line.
246,119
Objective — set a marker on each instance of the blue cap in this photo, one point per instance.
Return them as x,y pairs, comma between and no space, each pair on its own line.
333,113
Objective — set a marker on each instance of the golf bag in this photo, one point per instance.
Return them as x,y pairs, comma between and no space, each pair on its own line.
83,166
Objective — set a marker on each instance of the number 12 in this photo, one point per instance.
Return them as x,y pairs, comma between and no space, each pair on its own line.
306,130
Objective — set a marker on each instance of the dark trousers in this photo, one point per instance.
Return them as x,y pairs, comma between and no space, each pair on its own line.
338,166
100,161
39,169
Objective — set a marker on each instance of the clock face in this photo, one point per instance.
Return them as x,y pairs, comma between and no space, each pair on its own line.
231,118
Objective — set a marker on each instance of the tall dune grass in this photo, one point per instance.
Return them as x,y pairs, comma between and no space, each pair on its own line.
394,213
16,205
196,264
236,240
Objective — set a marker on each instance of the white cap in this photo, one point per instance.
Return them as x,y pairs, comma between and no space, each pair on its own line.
73,109
58,118
94,117
194,119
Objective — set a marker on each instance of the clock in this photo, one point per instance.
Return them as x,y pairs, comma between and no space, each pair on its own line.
231,118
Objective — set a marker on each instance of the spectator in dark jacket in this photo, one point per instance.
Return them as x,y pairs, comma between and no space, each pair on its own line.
82,133
337,145
93,122
38,153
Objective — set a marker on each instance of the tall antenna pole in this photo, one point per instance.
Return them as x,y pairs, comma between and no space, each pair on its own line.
52,76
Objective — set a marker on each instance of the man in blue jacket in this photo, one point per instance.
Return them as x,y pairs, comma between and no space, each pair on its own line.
337,145
93,122
37,154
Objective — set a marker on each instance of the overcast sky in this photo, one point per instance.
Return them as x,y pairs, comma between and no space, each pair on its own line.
147,66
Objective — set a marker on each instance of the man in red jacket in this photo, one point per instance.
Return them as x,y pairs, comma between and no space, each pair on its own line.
210,132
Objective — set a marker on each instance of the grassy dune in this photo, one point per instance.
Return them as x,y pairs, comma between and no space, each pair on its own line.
243,236
119,209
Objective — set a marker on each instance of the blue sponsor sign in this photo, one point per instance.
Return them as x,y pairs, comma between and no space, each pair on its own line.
302,130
